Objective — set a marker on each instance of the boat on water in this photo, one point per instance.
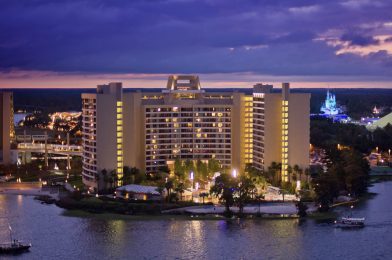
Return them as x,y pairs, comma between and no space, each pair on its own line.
350,222
14,246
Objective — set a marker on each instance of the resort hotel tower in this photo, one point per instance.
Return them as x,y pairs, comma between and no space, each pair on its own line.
150,130
7,126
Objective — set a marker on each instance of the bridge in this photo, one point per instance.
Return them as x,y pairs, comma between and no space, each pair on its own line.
62,149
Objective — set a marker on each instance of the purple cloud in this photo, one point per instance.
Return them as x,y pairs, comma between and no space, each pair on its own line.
359,40
189,36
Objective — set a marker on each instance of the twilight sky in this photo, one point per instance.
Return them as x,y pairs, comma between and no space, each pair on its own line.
230,43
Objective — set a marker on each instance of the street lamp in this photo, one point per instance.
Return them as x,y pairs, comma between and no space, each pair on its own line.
192,177
234,173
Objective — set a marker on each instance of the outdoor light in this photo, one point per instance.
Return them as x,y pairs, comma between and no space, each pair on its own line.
191,176
234,173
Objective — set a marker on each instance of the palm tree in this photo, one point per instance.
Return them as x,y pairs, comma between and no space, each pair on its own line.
296,169
169,187
307,173
203,195
289,173
113,179
180,189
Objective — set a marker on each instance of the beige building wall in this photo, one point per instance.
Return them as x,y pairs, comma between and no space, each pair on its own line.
248,129
134,128
299,129
7,122
102,134
106,133
272,128
238,132
281,133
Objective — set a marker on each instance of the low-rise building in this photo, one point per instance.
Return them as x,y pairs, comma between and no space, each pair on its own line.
138,192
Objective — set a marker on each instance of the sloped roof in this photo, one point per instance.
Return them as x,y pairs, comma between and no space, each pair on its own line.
139,189
382,122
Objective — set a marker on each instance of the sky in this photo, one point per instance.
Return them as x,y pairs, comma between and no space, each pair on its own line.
228,43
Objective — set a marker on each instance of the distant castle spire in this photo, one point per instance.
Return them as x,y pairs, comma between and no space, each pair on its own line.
329,106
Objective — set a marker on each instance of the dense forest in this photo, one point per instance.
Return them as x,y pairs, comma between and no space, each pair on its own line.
326,134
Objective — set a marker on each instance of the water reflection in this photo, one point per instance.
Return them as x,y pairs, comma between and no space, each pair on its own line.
55,236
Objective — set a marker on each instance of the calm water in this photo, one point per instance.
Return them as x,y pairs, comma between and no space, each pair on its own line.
55,236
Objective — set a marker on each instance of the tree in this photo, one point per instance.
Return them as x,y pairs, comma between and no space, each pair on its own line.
188,166
289,173
128,178
326,189
203,195
202,170
169,186
298,171
213,166
113,179
245,188
180,188
164,169
307,173
224,190
301,207
179,170
273,173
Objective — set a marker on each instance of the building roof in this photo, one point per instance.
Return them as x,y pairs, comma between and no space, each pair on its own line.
139,189
381,123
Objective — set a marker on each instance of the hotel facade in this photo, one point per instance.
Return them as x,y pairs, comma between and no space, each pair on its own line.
7,126
150,130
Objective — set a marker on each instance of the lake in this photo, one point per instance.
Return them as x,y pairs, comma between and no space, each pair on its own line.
56,236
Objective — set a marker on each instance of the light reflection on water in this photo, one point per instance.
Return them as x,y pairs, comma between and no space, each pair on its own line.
55,236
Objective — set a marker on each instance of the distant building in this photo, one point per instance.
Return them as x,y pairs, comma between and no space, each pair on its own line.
330,109
380,122
7,126
376,111
138,192
150,130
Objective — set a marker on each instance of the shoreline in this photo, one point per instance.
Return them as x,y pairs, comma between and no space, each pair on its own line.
286,210
29,192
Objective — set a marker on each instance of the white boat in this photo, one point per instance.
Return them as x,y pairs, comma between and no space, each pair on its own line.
350,222
14,246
